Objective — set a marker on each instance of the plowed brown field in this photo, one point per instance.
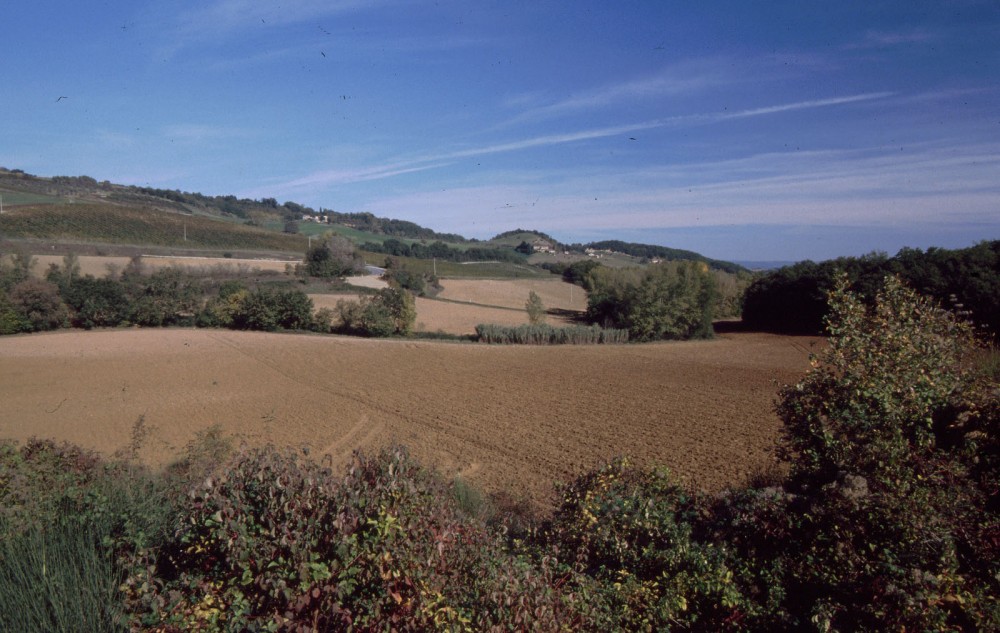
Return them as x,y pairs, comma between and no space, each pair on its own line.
506,418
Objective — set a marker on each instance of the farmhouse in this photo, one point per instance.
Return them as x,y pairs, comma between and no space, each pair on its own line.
540,245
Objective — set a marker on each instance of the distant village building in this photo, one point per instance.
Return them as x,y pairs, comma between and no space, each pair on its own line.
539,245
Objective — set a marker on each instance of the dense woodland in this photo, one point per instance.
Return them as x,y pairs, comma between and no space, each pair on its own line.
793,299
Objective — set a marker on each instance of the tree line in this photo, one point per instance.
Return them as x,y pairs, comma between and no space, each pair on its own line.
176,297
792,299
440,250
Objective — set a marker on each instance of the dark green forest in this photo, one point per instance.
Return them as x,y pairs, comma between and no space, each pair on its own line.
793,299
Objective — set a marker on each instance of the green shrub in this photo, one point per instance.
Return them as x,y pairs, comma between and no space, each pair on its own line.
535,309
890,518
389,312
167,297
274,541
632,532
70,526
869,404
96,302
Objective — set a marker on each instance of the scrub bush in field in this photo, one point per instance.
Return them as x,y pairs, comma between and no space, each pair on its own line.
239,308
389,312
37,306
664,301
96,302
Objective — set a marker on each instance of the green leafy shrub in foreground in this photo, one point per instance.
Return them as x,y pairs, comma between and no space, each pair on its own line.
890,516
275,541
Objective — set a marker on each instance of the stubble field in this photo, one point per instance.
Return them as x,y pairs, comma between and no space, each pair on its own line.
509,419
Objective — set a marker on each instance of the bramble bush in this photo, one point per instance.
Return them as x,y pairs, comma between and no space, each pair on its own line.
275,541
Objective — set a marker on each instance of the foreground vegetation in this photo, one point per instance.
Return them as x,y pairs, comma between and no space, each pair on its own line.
887,519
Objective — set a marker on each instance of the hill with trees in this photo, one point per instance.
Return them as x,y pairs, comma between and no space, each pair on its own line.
365,229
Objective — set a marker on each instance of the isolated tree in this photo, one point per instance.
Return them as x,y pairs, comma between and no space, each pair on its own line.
333,257
535,308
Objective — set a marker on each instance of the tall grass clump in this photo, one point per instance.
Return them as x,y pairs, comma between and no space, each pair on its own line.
70,525
57,578
544,334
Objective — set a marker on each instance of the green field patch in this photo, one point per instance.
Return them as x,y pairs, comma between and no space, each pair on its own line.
21,198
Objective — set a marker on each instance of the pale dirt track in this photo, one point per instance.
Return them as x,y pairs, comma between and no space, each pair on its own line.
507,418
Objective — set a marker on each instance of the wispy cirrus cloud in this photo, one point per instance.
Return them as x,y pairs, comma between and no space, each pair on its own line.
682,78
400,166
805,105
198,132
883,39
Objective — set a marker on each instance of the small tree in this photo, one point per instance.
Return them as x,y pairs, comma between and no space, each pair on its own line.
38,305
535,308
869,404
333,257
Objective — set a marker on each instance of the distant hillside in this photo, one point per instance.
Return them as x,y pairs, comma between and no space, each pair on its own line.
649,251
123,206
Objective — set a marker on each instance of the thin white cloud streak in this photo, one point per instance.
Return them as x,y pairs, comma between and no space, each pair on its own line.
198,133
679,79
804,105
422,163
882,39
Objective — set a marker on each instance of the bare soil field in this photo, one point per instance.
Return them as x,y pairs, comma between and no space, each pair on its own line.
98,266
447,316
505,418
513,293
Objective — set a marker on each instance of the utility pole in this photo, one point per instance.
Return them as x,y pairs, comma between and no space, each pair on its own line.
185,231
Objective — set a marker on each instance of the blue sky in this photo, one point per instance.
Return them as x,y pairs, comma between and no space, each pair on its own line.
742,130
